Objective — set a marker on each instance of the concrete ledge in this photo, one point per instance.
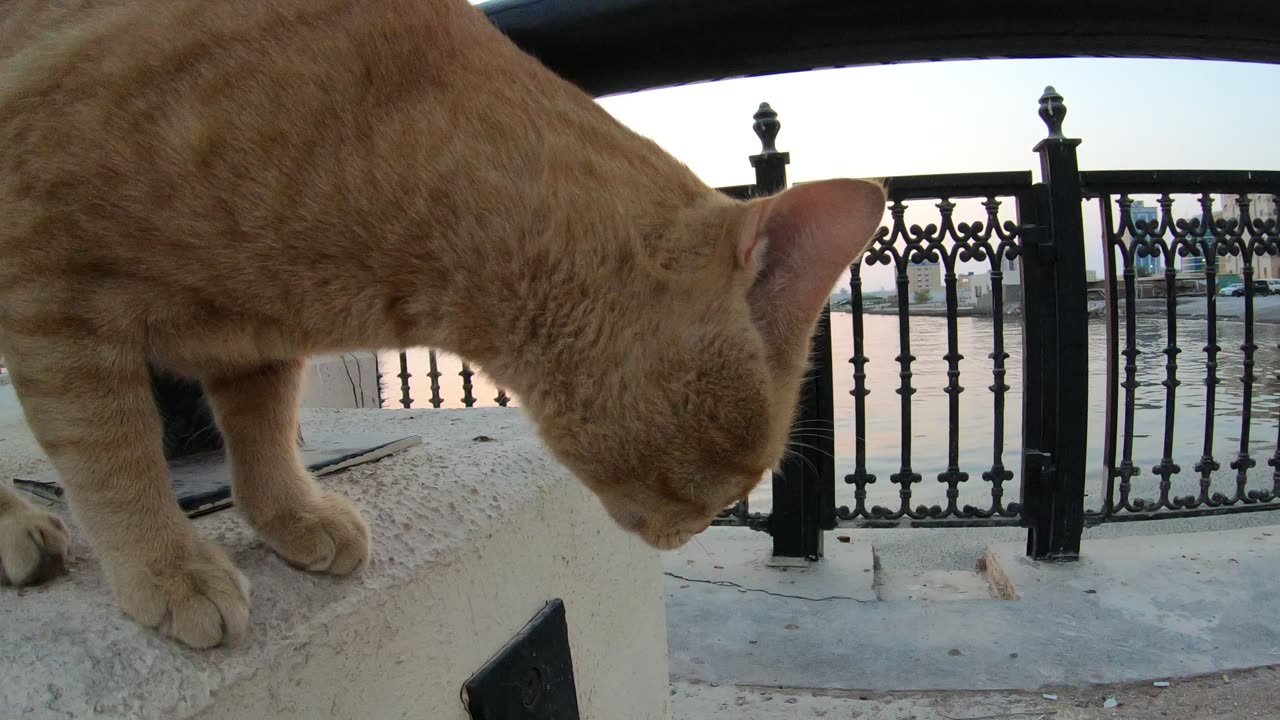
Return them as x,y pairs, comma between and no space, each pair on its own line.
349,380
472,537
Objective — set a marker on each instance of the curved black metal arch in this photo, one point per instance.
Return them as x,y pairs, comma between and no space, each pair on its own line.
612,46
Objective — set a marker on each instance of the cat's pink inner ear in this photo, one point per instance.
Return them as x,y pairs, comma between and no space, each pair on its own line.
810,234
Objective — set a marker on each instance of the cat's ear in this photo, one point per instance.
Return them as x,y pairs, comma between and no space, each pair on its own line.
798,244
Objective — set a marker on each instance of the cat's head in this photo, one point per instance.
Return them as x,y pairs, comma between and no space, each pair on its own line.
693,399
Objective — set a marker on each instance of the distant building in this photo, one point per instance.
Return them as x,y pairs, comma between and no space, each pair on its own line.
1261,207
1194,265
978,285
1197,265
924,276
966,289
1012,281
1144,218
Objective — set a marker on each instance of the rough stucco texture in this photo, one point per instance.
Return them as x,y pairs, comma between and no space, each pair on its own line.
471,538
349,380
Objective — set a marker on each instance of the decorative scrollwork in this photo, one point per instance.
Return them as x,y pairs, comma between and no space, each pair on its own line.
948,243
1212,236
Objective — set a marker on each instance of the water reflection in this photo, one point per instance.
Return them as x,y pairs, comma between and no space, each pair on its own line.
976,412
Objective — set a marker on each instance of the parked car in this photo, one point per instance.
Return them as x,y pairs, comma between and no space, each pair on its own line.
1260,287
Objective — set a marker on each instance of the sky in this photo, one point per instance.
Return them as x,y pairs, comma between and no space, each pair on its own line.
972,116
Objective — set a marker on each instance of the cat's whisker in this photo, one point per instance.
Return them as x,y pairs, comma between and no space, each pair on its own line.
815,449
813,427
811,464
792,452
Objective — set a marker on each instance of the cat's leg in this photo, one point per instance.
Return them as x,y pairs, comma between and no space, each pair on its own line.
90,406
33,542
257,413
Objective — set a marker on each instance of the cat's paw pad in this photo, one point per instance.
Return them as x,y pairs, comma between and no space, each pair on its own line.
199,598
33,546
328,536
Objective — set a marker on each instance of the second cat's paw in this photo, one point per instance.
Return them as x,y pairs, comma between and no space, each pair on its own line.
328,536
197,597
33,545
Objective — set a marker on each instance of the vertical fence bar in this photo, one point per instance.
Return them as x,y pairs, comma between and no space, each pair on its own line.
1244,461
405,401
1128,468
953,475
1210,245
1054,466
1111,423
1167,468
860,477
433,372
905,477
998,475
804,489
1274,462
468,398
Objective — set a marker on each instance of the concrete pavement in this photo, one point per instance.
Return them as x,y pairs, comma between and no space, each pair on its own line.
1133,609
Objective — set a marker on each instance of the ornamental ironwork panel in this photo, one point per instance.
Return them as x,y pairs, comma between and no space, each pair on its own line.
1175,254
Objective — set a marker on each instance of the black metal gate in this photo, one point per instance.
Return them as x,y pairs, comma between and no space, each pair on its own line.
1045,245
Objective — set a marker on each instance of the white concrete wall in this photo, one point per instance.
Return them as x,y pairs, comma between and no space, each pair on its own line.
472,538
349,380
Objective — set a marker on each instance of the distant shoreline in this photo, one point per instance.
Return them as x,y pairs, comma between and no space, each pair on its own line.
1144,310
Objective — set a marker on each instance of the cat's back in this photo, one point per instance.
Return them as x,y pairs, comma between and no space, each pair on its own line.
180,102
23,23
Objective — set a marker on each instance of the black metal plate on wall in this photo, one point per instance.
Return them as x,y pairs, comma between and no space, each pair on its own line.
531,678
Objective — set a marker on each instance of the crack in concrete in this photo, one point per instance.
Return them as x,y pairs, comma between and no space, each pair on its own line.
730,584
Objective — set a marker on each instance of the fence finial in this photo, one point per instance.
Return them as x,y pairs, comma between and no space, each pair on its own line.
766,127
1053,112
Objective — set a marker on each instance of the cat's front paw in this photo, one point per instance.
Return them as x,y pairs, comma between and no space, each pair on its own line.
198,597
33,545
328,536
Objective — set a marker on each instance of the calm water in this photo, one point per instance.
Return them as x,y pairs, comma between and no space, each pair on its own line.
930,411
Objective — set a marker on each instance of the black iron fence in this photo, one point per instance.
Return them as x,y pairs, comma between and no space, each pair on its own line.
438,393
1242,236
1012,251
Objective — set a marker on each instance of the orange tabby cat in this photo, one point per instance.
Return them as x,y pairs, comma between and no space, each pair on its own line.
223,187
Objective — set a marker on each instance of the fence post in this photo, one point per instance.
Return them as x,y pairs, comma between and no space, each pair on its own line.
1055,357
405,400
804,489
